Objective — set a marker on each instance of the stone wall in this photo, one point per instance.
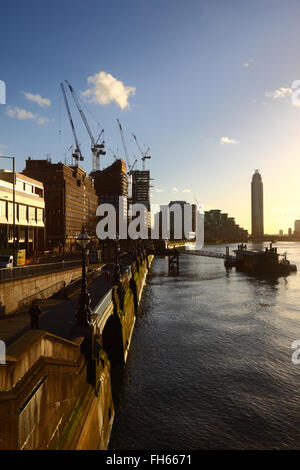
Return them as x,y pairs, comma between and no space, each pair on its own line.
57,394
13,292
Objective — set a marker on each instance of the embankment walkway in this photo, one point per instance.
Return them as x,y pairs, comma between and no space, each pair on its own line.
58,313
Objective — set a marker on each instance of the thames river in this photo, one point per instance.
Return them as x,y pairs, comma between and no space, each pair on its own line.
210,364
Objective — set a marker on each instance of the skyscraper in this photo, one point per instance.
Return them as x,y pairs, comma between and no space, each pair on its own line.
257,206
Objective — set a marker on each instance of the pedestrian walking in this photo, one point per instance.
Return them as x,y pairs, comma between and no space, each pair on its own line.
34,313
107,277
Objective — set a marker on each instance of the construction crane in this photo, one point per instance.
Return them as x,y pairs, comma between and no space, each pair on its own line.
77,155
113,154
133,165
124,145
97,149
144,154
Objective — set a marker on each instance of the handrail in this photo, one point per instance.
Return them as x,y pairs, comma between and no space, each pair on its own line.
22,272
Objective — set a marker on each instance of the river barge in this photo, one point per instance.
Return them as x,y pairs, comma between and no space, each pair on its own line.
259,262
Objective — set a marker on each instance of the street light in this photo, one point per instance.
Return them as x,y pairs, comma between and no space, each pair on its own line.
84,312
14,208
117,270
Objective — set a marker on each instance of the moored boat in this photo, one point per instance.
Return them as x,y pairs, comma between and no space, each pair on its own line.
267,263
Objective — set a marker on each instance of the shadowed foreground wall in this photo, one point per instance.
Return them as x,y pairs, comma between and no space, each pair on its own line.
56,393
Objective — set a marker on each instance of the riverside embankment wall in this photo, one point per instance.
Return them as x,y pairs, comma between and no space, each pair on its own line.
12,293
56,393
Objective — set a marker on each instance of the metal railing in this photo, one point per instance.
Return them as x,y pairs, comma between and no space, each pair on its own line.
23,272
42,294
103,304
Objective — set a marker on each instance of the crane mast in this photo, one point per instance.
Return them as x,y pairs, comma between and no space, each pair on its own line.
97,149
124,145
77,153
144,154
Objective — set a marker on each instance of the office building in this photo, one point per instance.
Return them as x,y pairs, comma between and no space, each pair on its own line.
70,202
257,206
26,222
297,227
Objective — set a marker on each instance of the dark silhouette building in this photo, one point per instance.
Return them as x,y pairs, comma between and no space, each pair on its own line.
111,183
218,227
257,206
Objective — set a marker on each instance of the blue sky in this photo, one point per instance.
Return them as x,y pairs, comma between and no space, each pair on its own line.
197,70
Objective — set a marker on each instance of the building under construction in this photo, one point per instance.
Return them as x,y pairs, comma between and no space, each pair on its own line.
111,184
141,190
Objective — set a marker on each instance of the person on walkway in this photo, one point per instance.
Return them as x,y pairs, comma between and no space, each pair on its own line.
107,277
34,313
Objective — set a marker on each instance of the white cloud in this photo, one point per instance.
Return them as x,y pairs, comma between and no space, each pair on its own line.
37,99
228,140
19,113
248,62
105,89
44,120
186,191
280,93
175,190
159,190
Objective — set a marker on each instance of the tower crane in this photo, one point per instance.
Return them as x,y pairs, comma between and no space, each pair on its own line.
97,149
77,155
124,145
113,154
144,154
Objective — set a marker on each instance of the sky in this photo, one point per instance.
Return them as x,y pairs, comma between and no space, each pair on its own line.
209,85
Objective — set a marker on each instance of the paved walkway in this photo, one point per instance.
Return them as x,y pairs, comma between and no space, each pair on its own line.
58,314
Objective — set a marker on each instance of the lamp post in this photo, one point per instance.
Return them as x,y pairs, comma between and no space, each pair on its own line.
83,316
14,207
117,271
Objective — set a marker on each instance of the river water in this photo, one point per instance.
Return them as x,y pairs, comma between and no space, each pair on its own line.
210,360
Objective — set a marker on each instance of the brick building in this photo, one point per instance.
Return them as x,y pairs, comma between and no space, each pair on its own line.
70,202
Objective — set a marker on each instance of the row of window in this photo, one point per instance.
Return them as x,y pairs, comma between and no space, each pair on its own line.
29,188
22,212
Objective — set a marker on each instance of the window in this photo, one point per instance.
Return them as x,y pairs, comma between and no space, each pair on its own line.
10,210
40,215
28,188
2,208
31,214
22,212
19,184
38,191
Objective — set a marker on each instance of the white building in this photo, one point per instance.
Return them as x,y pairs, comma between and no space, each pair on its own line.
27,221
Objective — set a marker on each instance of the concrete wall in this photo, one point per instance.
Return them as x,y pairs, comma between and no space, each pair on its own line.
12,292
57,394
45,399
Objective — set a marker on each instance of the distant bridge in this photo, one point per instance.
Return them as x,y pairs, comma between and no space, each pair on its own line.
173,256
209,254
